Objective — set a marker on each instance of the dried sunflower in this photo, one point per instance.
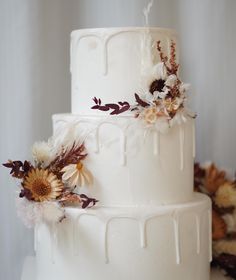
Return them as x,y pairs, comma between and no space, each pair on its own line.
43,185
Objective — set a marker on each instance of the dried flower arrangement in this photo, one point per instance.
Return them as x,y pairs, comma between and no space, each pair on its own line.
48,184
222,190
162,105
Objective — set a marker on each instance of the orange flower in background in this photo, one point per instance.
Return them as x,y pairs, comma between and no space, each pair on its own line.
43,185
218,226
214,178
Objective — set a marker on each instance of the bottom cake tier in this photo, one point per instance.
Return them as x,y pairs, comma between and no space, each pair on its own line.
165,242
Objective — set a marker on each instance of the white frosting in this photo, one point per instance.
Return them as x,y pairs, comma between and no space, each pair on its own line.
112,63
114,243
151,225
131,165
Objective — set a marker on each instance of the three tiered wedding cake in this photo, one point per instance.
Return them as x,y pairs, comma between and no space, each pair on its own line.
149,223
128,108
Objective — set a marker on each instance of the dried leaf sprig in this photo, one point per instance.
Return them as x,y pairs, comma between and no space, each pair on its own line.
18,168
67,156
115,109
171,65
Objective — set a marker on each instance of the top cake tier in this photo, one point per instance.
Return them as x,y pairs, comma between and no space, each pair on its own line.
114,63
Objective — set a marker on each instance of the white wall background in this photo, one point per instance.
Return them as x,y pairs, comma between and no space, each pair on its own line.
35,81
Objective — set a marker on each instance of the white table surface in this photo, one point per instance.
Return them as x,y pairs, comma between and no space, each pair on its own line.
29,271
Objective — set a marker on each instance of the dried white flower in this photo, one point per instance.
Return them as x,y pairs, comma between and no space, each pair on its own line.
171,80
32,213
41,152
162,124
77,175
184,87
52,212
28,211
159,71
179,118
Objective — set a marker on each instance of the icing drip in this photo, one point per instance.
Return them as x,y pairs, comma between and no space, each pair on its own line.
194,139
123,148
142,229
143,237
210,234
35,237
104,56
96,142
156,142
75,247
106,241
122,142
181,141
75,225
198,227
177,238
104,38
53,236
106,219
125,133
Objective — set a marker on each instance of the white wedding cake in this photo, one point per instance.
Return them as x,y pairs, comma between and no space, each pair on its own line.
149,224
130,144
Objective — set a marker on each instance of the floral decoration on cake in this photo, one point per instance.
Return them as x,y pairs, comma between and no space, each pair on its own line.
222,190
163,103
48,184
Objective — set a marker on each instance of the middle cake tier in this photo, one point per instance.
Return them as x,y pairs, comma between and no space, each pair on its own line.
131,164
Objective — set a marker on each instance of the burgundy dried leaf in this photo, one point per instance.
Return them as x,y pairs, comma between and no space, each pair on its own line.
95,100
70,198
71,155
87,202
125,103
18,168
95,107
103,108
114,108
25,193
124,109
140,101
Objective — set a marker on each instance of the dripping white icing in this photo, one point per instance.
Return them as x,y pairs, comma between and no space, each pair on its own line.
104,38
142,229
143,237
123,148
53,237
210,234
141,217
156,142
35,237
122,141
198,227
177,238
181,148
